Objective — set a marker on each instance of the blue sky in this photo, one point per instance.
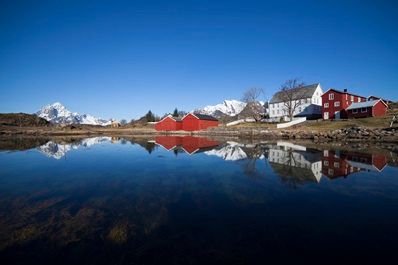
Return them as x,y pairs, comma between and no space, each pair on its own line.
119,59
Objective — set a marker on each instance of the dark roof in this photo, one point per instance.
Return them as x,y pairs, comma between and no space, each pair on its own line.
299,93
205,117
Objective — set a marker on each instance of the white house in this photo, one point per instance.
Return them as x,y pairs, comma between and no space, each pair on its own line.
308,97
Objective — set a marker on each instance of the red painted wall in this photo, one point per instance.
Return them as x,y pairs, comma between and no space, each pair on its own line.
344,99
191,123
168,124
379,110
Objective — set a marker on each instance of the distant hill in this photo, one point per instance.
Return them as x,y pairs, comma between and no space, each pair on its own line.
22,119
229,108
57,113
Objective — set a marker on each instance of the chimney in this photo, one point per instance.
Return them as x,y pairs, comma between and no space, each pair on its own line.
345,90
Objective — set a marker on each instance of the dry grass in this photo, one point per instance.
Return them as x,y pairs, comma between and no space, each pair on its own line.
255,125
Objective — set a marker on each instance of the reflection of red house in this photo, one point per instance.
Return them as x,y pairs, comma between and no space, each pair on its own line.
168,142
190,122
189,144
336,164
367,161
168,123
372,108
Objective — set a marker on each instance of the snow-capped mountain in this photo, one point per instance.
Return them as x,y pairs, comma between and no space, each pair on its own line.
227,107
57,113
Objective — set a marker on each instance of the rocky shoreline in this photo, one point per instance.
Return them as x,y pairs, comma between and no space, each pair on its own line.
351,134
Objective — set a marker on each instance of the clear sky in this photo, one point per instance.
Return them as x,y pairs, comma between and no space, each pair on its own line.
120,59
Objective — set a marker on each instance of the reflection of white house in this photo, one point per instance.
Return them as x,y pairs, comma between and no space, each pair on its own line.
309,98
297,156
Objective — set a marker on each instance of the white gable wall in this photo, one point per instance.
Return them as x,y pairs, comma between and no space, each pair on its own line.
278,110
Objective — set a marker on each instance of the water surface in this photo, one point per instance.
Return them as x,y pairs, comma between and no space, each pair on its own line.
188,200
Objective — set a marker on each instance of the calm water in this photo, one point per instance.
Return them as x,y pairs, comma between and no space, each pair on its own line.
186,200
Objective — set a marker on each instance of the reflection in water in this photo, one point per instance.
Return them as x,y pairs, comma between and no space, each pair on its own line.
186,199
290,161
59,150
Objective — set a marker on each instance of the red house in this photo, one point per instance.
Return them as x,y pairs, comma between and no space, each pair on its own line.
335,103
196,122
168,123
372,108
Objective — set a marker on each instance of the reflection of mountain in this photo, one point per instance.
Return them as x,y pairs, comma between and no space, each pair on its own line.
58,150
232,152
189,144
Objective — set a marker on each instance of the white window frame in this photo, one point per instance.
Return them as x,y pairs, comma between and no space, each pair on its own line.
355,111
337,103
359,99
331,96
352,98
364,110
326,105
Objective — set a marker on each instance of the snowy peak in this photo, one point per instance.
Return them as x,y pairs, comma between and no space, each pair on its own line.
227,107
59,114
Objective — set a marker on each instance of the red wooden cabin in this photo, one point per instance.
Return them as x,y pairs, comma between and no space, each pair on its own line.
335,103
196,122
372,108
168,123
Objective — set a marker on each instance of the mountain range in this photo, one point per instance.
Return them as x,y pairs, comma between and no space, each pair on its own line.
59,114
227,107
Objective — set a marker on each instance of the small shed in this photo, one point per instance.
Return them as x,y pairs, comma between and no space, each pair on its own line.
196,122
168,123
372,108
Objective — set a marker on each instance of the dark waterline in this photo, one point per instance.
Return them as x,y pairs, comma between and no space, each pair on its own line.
189,200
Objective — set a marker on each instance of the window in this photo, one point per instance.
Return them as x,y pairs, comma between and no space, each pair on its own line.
277,112
355,111
337,104
326,163
336,164
326,105
346,96
273,112
352,98
331,96
363,110
359,99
